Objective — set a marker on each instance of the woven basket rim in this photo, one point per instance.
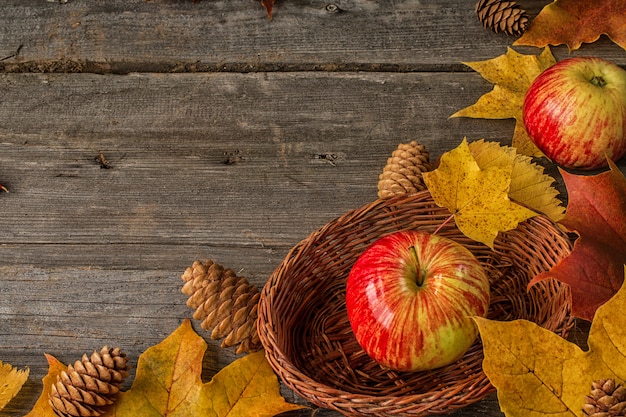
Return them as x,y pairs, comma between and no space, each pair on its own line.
467,391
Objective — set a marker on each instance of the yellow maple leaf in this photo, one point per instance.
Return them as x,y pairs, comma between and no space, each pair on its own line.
255,386
512,74
168,383
537,373
11,381
530,186
477,198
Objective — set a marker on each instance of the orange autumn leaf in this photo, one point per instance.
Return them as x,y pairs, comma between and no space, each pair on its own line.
11,381
573,22
538,373
268,4
511,74
42,407
168,383
596,211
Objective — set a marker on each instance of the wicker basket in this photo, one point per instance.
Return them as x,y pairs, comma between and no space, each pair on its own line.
305,331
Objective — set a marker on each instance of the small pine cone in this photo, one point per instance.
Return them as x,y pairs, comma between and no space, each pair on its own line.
502,16
403,172
605,399
226,304
89,386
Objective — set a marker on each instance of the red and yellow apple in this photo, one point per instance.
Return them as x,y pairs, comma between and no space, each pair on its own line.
410,296
575,112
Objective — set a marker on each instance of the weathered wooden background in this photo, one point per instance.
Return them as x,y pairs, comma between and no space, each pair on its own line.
227,136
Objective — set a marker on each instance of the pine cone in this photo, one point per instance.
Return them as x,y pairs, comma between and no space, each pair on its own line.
605,399
89,386
403,172
226,304
502,16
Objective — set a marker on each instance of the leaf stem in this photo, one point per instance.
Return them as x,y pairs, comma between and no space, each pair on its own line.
443,224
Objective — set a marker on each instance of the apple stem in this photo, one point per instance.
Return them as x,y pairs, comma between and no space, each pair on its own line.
419,276
598,81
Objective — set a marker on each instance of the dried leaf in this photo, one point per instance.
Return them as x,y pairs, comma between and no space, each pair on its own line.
573,22
537,373
529,185
268,4
478,198
168,383
247,384
42,407
512,74
596,211
11,381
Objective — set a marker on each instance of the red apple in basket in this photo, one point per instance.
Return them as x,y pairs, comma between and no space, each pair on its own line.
410,296
575,112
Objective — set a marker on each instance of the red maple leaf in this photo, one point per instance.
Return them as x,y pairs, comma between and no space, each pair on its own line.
596,211
573,22
268,4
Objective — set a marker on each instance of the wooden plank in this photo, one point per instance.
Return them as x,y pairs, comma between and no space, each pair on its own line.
235,35
214,159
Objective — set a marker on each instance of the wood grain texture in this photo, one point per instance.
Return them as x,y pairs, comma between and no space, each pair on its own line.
235,35
261,158
137,136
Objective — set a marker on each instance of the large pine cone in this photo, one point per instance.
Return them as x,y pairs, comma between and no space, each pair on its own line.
89,386
226,304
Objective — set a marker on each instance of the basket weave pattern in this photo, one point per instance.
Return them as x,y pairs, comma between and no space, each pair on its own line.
304,327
